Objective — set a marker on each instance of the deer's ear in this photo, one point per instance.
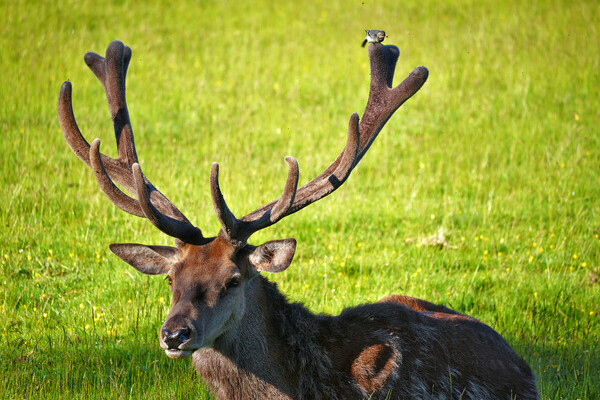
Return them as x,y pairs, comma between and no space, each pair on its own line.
274,256
150,260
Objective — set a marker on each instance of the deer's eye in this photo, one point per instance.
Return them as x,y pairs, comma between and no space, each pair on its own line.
233,282
168,278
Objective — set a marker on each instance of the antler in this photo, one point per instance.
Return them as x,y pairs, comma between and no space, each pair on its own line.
150,203
383,101
125,170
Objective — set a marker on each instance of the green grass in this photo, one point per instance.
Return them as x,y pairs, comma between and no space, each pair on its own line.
500,148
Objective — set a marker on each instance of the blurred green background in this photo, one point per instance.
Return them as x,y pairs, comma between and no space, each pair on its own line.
499,150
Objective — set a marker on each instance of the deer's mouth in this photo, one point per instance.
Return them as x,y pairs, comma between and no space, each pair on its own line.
177,353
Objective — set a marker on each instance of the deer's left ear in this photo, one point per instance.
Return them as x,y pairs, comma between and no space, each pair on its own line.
273,256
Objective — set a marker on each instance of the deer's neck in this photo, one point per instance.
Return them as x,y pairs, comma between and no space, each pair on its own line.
273,353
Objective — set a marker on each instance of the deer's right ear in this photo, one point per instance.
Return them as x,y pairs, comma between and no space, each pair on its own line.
150,260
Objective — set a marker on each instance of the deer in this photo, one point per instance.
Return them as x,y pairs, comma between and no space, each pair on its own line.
245,338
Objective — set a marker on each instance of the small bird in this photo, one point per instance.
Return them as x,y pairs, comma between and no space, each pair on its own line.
374,36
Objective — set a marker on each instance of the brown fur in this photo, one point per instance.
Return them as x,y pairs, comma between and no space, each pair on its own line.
417,304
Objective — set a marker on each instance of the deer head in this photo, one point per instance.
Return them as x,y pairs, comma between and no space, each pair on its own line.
210,277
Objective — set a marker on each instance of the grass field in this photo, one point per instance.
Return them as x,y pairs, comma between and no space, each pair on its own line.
500,149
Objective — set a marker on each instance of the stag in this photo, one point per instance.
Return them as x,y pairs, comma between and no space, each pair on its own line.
246,340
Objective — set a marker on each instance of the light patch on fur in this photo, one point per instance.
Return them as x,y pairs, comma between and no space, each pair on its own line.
373,366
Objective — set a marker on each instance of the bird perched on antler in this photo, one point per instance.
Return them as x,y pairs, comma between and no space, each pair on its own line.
374,36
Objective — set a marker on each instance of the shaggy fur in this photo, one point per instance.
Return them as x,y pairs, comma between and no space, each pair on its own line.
280,350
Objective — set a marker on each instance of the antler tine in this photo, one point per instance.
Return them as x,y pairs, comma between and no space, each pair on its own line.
238,231
179,228
111,71
229,223
120,199
382,103
336,174
285,202
112,76
383,100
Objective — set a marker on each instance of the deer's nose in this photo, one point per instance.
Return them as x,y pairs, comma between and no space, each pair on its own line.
174,339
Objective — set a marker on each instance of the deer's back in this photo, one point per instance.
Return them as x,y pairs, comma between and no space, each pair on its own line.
416,349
